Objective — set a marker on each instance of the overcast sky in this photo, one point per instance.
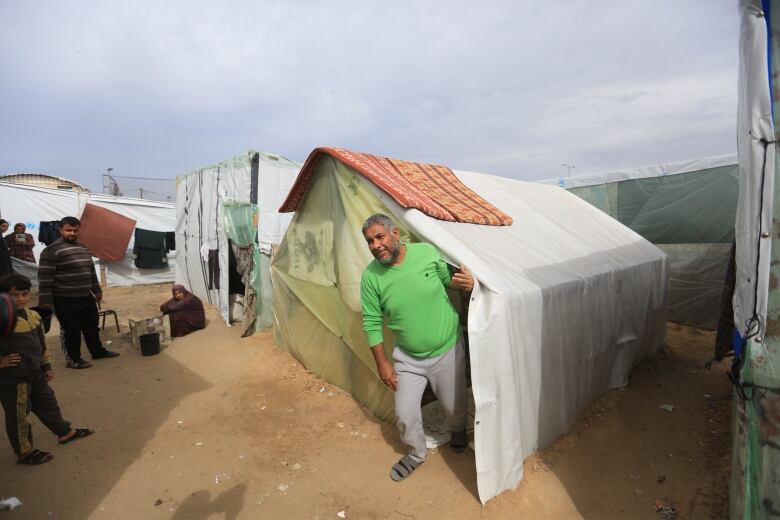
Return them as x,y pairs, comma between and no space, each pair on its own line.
515,88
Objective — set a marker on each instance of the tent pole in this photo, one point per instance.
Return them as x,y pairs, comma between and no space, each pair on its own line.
102,273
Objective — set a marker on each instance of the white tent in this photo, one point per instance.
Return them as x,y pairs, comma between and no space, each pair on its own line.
32,205
254,178
687,209
567,301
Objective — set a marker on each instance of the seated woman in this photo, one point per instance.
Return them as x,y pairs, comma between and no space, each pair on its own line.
185,311
21,244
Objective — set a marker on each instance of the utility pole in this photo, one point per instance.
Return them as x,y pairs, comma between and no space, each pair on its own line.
110,186
569,167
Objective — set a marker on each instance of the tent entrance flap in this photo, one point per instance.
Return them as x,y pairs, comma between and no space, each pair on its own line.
244,269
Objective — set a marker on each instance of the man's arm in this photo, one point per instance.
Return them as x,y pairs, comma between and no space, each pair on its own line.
461,280
372,312
372,326
96,290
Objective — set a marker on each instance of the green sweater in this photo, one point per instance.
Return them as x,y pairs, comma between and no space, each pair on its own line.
413,297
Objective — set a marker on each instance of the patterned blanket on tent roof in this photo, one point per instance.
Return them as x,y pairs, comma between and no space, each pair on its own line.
430,188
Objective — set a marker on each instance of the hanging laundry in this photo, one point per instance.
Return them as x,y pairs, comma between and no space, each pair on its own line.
149,249
48,232
170,241
213,269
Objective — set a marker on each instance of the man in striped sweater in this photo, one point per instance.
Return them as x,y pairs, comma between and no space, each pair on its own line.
67,280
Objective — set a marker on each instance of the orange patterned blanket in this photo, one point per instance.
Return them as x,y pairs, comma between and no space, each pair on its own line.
430,188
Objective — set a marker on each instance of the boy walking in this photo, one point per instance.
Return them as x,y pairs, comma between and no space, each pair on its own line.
25,372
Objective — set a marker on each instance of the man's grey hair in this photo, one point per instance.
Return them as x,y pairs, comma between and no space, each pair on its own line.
382,220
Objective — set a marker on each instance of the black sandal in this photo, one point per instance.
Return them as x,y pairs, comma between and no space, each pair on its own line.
35,458
80,434
78,364
459,441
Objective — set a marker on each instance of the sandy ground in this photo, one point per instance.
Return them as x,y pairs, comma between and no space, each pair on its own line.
219,427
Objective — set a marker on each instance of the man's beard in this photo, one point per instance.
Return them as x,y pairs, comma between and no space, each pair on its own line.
393,254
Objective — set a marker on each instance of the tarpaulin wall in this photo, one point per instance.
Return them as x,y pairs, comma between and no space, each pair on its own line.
256,178
688,210
755,468
567,301
32,205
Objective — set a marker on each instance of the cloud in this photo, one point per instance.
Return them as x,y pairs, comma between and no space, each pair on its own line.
511,88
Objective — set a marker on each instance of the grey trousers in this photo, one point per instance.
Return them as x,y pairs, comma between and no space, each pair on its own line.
447,375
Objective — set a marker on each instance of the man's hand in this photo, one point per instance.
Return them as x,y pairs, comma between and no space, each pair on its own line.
384,367
388,376
462,280
99,297
11,360
49,375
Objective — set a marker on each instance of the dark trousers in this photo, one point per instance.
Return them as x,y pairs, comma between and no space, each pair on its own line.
78,316
18,400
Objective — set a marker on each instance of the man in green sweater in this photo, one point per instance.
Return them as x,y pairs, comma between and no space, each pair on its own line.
406,283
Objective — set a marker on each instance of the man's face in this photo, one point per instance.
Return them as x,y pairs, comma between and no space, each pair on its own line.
21,298
3,227
178,295
18,228
70,233
383,244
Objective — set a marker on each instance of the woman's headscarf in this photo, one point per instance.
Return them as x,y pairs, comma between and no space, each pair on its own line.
180,288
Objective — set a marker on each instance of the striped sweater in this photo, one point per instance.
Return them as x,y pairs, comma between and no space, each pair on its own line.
27,340
66,270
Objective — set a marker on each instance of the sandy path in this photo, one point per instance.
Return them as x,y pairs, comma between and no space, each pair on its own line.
222,427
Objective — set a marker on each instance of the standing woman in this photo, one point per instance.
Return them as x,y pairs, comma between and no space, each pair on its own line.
21,244
185,311
6,267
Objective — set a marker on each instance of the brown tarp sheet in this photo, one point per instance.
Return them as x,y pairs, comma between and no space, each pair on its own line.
105,233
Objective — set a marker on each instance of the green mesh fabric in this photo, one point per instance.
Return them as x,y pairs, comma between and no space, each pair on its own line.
690,216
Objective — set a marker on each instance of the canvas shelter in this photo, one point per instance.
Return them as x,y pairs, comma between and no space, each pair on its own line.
755,462
227,224
687,209
567,300
32,205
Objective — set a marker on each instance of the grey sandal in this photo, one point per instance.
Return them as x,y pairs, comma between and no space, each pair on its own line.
403,468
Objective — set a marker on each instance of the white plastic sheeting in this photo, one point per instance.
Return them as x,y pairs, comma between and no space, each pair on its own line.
644,172
200,217
32,205
567,301
756,170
